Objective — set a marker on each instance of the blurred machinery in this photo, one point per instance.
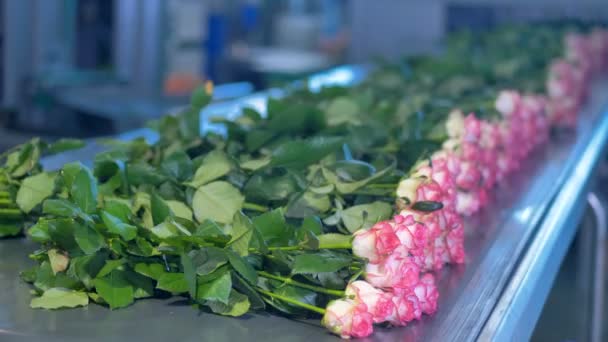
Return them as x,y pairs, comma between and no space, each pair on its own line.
89,67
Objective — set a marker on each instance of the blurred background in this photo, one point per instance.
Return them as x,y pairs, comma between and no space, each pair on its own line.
97,67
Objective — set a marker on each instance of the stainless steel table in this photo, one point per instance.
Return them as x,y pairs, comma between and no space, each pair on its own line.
514,249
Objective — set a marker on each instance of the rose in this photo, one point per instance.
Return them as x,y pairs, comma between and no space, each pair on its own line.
427,294
407,307
411,234
455,245
472,128
508,102
467,202
375,243
348,318
398,270
378,302
454,125
469,176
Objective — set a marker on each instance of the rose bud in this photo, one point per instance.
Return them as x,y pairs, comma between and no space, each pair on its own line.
376,243
347,318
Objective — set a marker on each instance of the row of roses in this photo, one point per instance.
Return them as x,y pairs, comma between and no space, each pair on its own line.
478,154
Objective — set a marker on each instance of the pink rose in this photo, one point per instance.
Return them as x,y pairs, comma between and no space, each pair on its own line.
427,294
375,243
407,307
411,234
455,245
467,203
347,318
469,176
472,128
378,302
396,271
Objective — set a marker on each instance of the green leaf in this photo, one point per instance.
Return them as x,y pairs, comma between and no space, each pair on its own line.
207,260
217,201
333,239
60,207
173,282
178,165
242,231
308,204
215,290
349,176
365,215
69,172
34,190
64,208
200,98
323,261
63,145
115,289
154,271
140,173
62,234
215,165
427,206
143,287
45,279
88,239
39,232
342,110
254,164
84,191
118,209
85,268
189,273
273,228
242,267
301,153
56,298
160,209
170,229
243,286
9,229
25,159
190,124
271,187
310,224
141,208
116,226
180,209
110,266
238,305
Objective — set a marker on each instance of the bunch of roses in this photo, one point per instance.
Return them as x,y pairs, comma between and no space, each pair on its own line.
477,155
569,77
394,291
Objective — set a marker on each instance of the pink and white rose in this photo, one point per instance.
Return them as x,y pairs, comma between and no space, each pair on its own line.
348,318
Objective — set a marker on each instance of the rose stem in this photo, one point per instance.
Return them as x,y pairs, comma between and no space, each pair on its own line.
293,301
255,207
10,213
290,281
6,202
